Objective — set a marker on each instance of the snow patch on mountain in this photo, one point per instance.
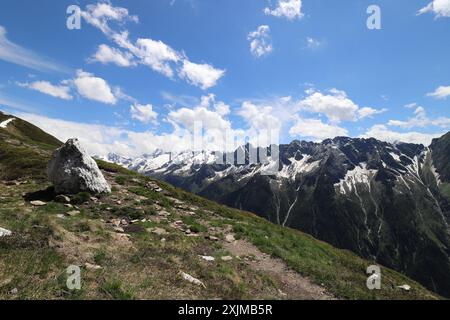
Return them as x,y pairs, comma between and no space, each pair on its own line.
359,175
5,123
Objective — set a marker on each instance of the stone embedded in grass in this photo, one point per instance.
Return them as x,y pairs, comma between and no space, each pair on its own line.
118,229
38,203
62,199
191,279
230,238
212,238
158,231
72,170
90,266
405,287
5,233
73,213
208,258
226,258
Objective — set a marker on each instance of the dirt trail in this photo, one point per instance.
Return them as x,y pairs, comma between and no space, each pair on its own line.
291,283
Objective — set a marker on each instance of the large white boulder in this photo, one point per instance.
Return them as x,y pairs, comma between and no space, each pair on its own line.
72,170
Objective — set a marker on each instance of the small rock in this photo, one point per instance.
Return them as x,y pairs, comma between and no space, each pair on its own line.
119,202
226,258
68,205
62,199
163,214
188,231
230,238
5,233
208,258
38,203
405,287
60,216
90,266
191,279
134,221
281,293
119,229
14,291
158,231
94,199
73,213
212,238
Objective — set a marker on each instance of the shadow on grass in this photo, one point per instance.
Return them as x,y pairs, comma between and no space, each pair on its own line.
43,195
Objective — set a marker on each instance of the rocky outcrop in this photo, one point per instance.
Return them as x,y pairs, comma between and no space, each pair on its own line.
72,170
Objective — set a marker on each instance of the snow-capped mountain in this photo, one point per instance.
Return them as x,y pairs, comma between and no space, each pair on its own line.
388,202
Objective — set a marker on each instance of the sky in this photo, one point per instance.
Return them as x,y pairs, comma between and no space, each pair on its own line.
140,75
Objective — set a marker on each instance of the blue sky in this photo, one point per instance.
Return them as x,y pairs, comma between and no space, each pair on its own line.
139,73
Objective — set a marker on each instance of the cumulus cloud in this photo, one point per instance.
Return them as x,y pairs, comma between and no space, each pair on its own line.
209,119
200,75
441,8
259,117
367,112
155,54
94,88
106,55
440,93
209,101
143,113
260,41
316,129
14,53
336,105
382,132
100,14
289,9
57,91
420,120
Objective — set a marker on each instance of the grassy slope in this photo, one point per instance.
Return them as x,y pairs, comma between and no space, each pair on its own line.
35,258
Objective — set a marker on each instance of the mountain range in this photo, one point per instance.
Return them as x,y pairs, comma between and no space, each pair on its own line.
389,202
149,240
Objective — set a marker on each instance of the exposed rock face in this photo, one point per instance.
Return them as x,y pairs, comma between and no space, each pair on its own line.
72,170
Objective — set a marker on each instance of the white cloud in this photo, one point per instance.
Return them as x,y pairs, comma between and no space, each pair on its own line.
102,139
209,101
313,43
441,92
367,112
441,8
381,132
94,88
106,55
209,119
201,75
260,41
155,54
143,113
336,106
57,91
101,13
259,117
290,9
420,120
16,54
316,129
